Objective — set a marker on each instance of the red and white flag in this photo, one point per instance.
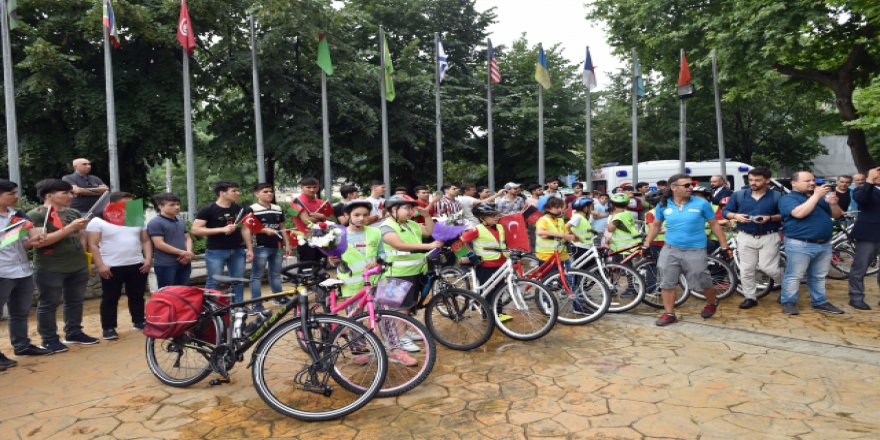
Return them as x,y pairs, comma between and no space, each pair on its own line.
516,233
185,33
253,223
494,71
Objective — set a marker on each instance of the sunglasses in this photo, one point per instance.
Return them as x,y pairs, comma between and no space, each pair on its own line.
686,185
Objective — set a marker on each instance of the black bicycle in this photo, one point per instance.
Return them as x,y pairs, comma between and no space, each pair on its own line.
310,367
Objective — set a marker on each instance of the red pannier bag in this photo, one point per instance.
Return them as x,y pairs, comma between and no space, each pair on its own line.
172,310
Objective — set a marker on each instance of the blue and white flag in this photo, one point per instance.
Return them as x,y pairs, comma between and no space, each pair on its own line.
589,72
441,60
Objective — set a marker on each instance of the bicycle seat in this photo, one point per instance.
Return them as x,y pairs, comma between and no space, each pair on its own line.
230,280
331,283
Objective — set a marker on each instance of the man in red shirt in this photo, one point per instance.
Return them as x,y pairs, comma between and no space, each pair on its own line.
309,208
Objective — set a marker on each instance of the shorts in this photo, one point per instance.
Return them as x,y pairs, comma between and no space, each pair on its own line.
692,263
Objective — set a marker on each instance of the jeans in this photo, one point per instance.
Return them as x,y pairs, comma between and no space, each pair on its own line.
233,259
176,275
263,255
19,294
865,254
135,284
54,286
810,259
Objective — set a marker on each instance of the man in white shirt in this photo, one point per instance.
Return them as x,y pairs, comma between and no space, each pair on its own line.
377,199
123,256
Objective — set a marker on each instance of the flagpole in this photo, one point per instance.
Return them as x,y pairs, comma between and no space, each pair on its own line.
258,116
168,175
682,116
111,112
437,123
588,177
635,121
386,166
721,155
325,128
490,138
190,155
9,96
540,131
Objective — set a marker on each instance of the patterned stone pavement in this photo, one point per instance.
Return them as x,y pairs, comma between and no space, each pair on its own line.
742,374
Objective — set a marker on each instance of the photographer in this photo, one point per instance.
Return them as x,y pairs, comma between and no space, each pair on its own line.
757,218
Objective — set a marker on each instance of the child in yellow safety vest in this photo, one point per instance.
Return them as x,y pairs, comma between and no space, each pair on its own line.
364,247
579,225
622,225
484,239
549,229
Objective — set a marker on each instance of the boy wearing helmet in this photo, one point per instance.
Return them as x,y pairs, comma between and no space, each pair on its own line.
488,234
622,224
579,224
403,242
551,227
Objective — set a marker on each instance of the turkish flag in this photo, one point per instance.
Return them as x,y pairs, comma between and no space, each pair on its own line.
185,33
252,223
516,234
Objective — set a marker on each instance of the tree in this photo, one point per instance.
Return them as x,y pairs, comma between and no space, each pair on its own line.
830,45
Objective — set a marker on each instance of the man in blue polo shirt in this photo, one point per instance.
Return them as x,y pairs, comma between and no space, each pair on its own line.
806,213
756,213
685,250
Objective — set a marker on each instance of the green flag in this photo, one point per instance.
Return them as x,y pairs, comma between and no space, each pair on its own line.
11,7
324,61
389,71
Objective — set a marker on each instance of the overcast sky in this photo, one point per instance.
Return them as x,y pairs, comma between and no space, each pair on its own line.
550,22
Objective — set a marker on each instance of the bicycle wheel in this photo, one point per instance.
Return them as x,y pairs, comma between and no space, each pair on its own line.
185,360
648,270
529,263
841,263
585,300
724,279
763,284
405,340
456,276
625,286
297,385
531,310
459,319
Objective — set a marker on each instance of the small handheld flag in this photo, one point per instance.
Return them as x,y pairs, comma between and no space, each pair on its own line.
589,72
110,23
252,223
13,233
494,71
125,213
542,73
441,60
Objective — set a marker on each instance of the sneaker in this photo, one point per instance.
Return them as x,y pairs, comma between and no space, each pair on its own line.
32,350
54,347
139,326
80,338
400,357
748,303
414,336
408,345
861,305
2,368
5,362
790,309
363,359
504,318
666,319
110,334
709,310
828,308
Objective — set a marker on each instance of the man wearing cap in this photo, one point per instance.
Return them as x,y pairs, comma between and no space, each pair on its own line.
511,202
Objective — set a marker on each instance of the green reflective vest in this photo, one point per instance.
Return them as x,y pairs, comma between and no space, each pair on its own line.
486,240
583,231
544,247
621,239
357,262
405,263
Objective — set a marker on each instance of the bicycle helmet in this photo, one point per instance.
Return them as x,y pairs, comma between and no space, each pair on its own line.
580,202
357,204
619,198
699,189
400,200
654,197
484,210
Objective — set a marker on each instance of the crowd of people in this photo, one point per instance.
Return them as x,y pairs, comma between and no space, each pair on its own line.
682,220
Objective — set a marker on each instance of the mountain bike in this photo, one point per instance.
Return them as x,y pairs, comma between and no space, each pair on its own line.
624,284
305,367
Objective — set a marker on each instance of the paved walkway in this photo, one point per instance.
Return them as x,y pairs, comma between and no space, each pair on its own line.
743,374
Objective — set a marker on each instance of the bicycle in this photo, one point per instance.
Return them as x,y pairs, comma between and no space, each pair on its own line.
293,362
647,269
624,284
843,250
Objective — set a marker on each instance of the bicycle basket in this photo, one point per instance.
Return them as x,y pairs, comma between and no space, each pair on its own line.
392,292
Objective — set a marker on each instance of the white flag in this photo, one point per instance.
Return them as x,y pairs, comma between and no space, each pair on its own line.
441,60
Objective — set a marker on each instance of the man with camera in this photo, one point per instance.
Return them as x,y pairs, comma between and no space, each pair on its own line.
758,221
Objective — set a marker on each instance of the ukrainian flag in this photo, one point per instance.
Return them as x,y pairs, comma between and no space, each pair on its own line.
542,73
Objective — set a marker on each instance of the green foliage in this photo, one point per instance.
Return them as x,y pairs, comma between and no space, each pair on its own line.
867,100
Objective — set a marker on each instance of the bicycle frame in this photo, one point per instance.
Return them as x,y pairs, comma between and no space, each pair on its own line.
364,297
503,273
592,254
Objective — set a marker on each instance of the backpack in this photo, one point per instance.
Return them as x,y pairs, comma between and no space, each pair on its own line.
172,310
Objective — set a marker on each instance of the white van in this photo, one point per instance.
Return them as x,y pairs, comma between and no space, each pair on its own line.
608,178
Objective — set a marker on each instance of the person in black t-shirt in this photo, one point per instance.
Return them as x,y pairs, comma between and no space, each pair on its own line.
349,193
269,242
226,245
844,197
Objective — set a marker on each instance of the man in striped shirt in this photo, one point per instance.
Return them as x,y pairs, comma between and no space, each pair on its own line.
447,205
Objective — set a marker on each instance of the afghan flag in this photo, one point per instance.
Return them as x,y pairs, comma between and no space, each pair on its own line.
389,78
110,23
125,213
53,217
542,72
324,61
459,249
253,223
14,232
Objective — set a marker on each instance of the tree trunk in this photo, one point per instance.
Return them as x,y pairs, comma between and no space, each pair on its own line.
855,138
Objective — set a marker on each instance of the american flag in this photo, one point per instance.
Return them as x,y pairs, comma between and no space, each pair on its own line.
494,72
